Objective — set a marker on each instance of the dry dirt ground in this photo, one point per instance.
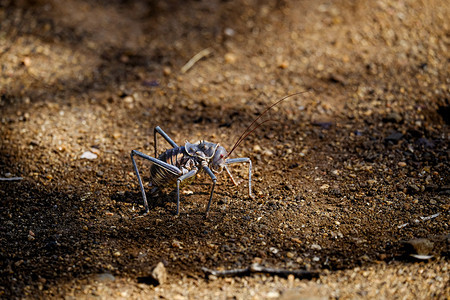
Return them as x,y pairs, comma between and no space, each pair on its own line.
353,169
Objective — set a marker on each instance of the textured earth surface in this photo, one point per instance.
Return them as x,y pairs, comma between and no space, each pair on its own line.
351,179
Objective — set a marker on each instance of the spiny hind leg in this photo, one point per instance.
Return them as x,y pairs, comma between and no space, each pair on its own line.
165,136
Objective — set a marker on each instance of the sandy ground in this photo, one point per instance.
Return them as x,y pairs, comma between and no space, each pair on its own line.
351,179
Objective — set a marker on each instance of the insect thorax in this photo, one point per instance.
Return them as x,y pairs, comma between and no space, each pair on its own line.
202,150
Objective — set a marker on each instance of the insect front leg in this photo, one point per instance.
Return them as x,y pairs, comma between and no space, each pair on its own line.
243,160
170,168
214,179
231,176
165,136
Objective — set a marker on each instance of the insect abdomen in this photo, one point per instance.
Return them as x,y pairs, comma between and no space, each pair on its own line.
176,157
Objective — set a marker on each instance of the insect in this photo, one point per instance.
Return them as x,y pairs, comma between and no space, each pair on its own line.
181,163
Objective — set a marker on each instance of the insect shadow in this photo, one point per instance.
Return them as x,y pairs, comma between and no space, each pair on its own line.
164,197
134,197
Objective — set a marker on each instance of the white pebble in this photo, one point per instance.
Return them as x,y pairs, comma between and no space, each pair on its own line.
229,31
267,153
273,294
88,155
325,187
316,247
257,149
273,250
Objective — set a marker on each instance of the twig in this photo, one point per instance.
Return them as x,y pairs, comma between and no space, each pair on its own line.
196,58
402,225
10,178
225,273
256,268
421,218
430,217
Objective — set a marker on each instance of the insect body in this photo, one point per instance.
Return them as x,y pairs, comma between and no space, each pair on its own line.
182,162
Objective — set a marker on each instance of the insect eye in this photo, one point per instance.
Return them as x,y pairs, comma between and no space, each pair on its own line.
221,155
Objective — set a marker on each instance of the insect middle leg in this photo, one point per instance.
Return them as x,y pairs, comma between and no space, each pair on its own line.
165,136
214,179
242,160
179,180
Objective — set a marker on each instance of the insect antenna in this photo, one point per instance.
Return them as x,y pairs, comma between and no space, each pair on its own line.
248,130
248,133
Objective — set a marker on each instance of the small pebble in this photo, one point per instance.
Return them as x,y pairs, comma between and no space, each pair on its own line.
177,244
316,247
273,250
128,99
393,117
267,153
159,273
336,172
230,58
212,277
413,188
257,149
31,238
325,187
297,240
26,61
283,65
273,295
105,277
229,31
167,71
88,155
